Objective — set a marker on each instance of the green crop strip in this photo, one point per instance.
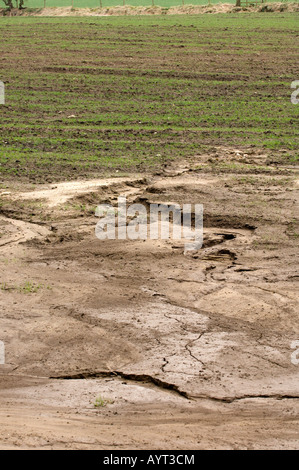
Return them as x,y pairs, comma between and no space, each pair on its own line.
91,95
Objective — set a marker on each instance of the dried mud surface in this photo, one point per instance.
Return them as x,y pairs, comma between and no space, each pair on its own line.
191,351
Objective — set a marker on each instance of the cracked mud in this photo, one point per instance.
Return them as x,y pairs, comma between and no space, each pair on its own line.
191,350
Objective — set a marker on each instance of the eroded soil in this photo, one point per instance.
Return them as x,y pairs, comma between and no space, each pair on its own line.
191,351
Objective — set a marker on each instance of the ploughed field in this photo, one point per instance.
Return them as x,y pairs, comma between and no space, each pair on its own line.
134,344
87,96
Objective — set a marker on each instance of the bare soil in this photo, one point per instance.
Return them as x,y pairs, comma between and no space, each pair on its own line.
191,351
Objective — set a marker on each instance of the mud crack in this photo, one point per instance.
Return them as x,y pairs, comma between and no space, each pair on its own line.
187,346
143,378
